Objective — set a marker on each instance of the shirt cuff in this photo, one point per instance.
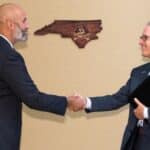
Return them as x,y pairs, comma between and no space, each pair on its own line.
146,116
88,103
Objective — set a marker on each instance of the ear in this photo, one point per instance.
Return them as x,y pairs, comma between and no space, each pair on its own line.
10,24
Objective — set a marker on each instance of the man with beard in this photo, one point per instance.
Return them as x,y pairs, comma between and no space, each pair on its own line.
16,86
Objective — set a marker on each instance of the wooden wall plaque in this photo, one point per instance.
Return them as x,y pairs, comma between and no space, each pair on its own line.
81,32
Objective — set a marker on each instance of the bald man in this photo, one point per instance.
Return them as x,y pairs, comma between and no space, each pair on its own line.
16,86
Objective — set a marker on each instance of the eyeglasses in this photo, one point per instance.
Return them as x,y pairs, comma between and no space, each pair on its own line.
144,37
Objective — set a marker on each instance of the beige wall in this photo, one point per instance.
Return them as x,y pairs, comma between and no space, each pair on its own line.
58,66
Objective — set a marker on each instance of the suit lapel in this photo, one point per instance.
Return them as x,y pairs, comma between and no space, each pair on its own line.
140,76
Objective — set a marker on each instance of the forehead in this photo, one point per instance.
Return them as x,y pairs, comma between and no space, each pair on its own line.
20,16
20,13
146,30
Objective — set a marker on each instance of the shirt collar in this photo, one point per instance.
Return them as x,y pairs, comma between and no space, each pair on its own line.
4,37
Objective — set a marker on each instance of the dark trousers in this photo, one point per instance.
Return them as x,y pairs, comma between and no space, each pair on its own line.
142,141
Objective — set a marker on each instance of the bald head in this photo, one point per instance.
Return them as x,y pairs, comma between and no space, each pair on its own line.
9,11
13,22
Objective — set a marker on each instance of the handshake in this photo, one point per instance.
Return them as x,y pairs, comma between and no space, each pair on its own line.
76,102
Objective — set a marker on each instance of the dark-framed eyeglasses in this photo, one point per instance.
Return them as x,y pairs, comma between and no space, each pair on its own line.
144,37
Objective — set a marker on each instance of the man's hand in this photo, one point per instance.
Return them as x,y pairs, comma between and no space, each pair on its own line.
76,102
139,111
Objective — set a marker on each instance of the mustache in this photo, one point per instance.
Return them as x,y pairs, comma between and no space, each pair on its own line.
25,32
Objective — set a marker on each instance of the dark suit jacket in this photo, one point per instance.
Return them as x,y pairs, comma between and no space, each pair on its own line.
16,87
120,98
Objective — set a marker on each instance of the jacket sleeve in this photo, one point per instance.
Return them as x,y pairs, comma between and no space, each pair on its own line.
16,75
111,102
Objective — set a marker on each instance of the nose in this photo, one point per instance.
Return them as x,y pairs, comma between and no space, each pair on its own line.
141,41
27,25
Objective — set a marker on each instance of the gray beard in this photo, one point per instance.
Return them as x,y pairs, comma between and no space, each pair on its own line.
20,35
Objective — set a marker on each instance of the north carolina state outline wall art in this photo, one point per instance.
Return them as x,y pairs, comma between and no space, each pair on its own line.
80,31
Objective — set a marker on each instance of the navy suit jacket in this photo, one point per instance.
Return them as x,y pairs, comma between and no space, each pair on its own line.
120,98
16,87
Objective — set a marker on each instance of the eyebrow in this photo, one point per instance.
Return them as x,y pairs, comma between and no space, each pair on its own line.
145,35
